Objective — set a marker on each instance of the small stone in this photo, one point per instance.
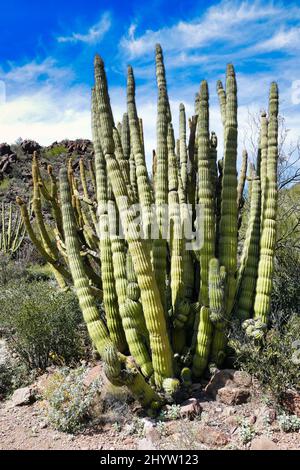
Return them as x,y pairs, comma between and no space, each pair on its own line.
233,395
23,396
219,380
146,444
252,419
229,411
190,408
92,375
43,424
153,435
231,421
242,379
271,415
212,437
263,443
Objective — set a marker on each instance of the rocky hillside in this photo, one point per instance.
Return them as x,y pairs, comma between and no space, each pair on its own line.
15,163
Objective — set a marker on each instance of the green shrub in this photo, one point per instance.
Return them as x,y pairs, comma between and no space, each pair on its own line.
275,361
38,272
246,432
5,184
286,285
13,375
55,151
43,325
289,423
10,269
70,400
172,412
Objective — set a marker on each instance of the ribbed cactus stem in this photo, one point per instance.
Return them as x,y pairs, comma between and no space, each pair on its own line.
242,180
125,140
217,280
150,296
204,337
228,221
161,74
12,229
228,226
213,162
268,235
95,325
161,194
264,156
182,147
249,262
110,299
222,101
192,170
206,198
176,246
142,177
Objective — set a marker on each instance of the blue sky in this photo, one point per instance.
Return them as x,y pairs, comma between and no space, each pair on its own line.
46,56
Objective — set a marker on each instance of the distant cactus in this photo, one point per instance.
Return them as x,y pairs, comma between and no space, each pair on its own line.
12,231
168,304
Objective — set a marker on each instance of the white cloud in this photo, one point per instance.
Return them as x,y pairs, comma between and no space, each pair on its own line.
46,115
33,71
284,39
229,20
94,35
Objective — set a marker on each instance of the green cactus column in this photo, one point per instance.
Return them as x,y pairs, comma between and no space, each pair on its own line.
250,256
264,158
110,299
182,147
204,338
120,370
228,227
206,224
150,296
161,195
268,236
142,178
242,180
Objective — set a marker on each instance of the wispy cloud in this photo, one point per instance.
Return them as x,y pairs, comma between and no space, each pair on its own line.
229,24
94,34
45,70
216,23
285,39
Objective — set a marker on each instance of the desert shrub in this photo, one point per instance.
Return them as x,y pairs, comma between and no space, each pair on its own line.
286,286
246,432
289,423
5,184
275,362
55,151
43,325
70,400
13,375
10,269
171,413
36,272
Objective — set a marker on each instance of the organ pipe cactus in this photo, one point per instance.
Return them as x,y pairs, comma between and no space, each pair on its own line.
169,293
12,231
